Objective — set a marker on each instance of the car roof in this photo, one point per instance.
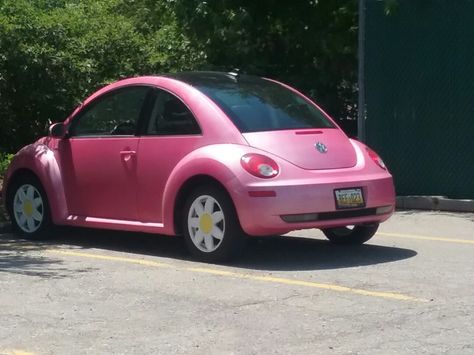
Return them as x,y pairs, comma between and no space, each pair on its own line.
213,78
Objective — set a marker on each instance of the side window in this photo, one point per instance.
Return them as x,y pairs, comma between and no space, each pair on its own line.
170,116
115,114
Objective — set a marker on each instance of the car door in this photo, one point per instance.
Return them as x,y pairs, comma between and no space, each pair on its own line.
170,134
99,159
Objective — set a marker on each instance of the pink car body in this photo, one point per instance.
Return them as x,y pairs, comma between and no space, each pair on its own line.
138,183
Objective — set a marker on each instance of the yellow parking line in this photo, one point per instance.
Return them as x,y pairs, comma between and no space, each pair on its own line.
111,258
18,352
337,288
264,278
422,237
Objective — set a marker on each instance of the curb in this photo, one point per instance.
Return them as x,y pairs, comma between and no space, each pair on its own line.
434,203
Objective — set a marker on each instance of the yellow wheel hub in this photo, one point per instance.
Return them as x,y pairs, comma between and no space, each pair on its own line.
28,208
205,224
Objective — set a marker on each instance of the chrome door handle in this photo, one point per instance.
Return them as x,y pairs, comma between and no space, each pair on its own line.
127,154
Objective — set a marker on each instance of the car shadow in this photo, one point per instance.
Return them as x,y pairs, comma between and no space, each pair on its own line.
22,257
276,253
287,253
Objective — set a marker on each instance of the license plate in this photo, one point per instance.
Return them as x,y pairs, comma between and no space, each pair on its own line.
349,198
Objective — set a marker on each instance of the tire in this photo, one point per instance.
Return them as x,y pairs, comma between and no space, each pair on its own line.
28,207
210,225
357,235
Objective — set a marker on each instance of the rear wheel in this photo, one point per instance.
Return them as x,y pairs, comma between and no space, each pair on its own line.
211,228
351,235
29,209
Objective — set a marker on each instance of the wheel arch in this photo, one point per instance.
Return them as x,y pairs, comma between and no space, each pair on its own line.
39,161
217,164
21,172
189,185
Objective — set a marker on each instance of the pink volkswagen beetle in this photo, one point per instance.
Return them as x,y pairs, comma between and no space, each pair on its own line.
215,157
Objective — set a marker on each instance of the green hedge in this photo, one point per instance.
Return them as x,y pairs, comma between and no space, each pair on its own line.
5,160
53,53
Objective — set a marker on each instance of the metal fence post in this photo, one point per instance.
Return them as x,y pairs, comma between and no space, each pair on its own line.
361,116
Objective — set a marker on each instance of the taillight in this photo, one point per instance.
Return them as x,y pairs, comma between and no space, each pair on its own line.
260,166
376,158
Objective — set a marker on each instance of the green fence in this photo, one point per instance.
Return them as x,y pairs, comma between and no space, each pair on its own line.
419,78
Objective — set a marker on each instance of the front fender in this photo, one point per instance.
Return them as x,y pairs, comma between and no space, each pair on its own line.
42,161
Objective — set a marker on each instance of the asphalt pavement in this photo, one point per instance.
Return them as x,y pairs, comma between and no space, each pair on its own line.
409,290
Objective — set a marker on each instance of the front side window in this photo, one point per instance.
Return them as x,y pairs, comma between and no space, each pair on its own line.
170,116
116,113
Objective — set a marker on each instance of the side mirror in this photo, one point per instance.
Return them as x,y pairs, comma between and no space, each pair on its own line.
57,130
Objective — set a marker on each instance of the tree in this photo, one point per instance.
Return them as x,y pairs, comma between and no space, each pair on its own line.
53,53
310,44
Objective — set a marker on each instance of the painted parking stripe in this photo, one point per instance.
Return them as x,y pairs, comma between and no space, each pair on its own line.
280,280
422,237
112,258
17,352
237,275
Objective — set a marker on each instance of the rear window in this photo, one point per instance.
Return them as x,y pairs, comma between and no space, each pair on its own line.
261,105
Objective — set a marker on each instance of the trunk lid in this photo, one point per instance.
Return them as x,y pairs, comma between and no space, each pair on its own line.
311,149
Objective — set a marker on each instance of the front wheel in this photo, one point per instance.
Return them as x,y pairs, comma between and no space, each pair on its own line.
351,235
29,209
211,228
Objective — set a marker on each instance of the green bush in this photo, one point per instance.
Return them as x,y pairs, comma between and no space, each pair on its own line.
5,160
54,53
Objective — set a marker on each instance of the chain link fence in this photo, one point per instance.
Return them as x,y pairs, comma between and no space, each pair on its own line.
419,77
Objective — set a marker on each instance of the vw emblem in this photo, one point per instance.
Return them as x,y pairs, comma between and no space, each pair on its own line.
321,147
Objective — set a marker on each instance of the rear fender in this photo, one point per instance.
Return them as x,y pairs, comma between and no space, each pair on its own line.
220,162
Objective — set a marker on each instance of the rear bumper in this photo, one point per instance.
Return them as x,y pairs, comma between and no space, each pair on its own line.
313,205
